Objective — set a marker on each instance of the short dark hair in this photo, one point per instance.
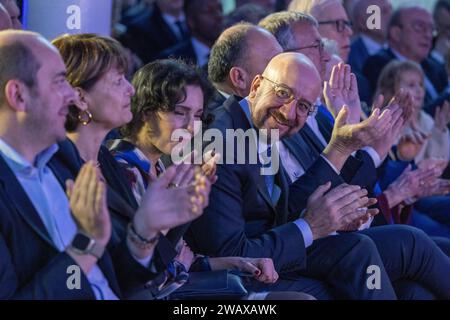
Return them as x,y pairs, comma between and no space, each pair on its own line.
17,62
159,86
228,51
87,58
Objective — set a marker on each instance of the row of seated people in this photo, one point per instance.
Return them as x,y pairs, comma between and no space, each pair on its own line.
310,227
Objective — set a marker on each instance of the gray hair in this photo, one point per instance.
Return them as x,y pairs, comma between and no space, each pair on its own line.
279,24
312,7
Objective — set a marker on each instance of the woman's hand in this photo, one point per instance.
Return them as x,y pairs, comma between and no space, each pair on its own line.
209,167
262,269
87,196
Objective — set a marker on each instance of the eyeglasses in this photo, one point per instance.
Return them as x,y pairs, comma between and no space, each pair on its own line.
319,45
285,95
340,24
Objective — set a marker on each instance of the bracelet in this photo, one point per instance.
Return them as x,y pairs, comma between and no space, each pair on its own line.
138,240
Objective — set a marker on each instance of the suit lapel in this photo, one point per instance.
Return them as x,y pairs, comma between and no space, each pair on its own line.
298,147
17,198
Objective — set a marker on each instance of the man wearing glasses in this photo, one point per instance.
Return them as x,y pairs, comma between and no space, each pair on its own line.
333,21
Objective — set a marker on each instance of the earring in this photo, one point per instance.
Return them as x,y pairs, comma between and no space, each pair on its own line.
85,117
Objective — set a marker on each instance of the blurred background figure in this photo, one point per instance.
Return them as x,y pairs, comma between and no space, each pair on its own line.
410,35
368,41
205,21
249,12
5,21
441,15
152,28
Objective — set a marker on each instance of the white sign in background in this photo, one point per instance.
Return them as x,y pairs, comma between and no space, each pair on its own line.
52,18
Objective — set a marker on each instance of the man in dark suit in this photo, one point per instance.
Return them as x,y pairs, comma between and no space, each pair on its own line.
204,18
44,236
160,26
258,214
409,38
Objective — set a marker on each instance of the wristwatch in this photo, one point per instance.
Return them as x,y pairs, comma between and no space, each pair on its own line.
83,244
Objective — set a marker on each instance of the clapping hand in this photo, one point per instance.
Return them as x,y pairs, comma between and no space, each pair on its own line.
87,197
342,89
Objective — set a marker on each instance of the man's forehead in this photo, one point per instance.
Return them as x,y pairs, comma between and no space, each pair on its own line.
304,31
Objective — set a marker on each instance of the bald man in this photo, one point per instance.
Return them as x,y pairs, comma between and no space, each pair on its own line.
5,21
254,211
42,241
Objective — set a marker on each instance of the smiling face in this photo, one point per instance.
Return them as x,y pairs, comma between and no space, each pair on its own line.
163,124
109,100
295,72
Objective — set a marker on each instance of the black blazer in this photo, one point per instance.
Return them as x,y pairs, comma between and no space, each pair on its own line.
121,203
241,219
31,267
374,65
149,34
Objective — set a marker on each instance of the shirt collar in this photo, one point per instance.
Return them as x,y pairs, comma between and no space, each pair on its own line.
18,163
223,93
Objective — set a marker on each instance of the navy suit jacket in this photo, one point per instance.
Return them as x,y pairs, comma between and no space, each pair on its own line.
148,35
241,219
374,65
31,267
122,205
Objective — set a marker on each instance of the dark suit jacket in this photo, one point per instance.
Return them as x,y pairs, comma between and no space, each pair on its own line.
214,103
31,267
148,34
374,65
182,50
122,206
358,54
241,219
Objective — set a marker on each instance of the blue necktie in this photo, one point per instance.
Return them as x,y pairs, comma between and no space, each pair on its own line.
273,190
